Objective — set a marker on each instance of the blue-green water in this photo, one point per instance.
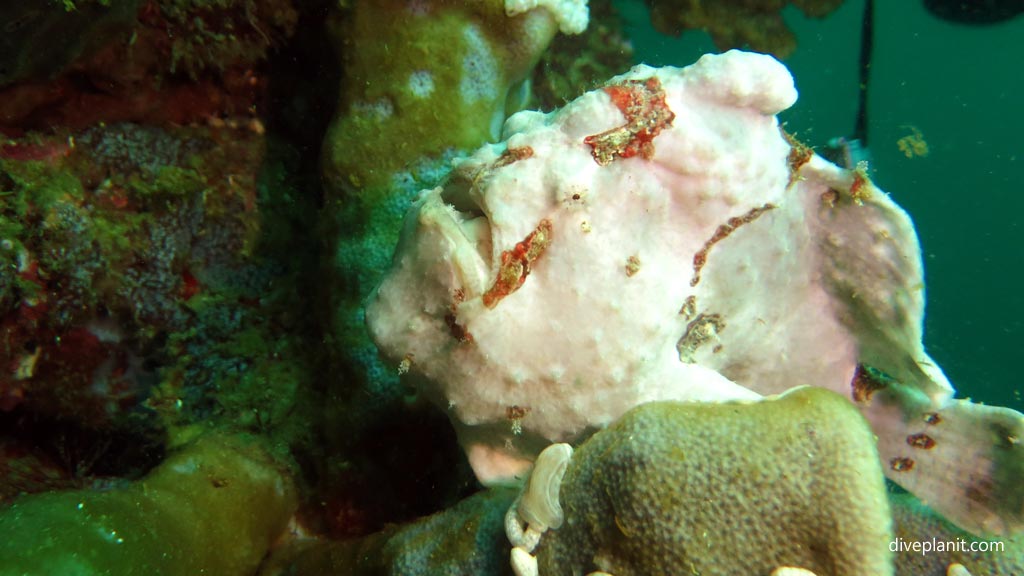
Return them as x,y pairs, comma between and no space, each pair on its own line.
962,88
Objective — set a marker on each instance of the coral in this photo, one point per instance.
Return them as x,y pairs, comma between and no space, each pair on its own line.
757,25
24,470
169,61
914,524
41,38
62,347
465,539
153,286
211,35
665,199
674,488
423,79
213,507
45,202
670,488
141,281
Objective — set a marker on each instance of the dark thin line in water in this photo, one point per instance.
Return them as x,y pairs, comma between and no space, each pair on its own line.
867,42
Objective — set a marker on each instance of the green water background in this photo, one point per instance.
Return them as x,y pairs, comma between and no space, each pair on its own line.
963,88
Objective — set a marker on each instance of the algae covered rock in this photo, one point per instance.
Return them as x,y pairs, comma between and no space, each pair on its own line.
735,488
40,38
212,508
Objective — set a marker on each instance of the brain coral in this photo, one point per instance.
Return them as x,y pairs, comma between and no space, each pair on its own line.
736,488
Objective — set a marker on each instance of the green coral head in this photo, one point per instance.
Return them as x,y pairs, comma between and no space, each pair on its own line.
425,78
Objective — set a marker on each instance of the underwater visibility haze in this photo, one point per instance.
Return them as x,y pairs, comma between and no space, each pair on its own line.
511,287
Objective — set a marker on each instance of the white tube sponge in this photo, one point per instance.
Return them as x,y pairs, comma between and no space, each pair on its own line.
539,505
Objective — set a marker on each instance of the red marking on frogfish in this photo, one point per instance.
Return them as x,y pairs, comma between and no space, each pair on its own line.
721,233
511,155
921,440
864,385
517,263
642,102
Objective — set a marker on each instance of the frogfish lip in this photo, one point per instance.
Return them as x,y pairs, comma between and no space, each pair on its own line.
443,252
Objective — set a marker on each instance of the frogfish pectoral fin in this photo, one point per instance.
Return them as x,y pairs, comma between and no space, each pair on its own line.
964,460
